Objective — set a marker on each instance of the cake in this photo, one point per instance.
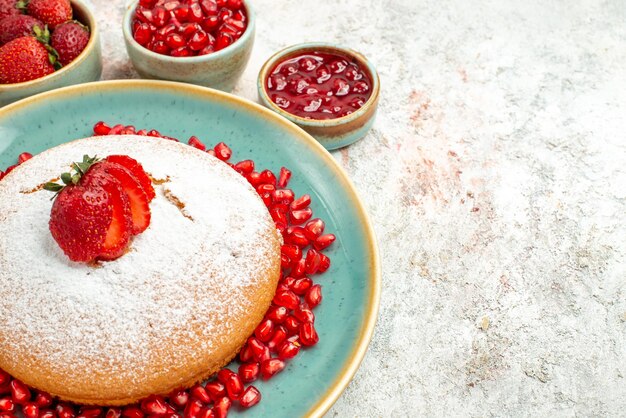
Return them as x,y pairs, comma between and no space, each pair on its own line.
170,312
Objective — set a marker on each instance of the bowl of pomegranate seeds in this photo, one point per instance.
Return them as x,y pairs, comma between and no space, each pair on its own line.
204,42
329,91
46,44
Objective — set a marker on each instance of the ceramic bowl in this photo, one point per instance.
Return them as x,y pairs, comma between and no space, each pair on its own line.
331,133
85,68
220,70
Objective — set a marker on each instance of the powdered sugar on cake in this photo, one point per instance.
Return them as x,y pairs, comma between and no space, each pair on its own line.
207,243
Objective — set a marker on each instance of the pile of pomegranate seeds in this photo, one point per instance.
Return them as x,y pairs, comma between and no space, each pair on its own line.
185,28
319,86
288,325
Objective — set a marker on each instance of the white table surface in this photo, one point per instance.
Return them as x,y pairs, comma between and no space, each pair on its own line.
495,178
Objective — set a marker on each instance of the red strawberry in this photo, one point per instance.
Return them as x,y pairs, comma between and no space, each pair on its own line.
69,39
137,170
91,217
80,220
50,12
24,59
119,232
8,8
13,27
139,208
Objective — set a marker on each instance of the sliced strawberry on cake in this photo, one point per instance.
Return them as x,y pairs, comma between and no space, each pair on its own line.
99,207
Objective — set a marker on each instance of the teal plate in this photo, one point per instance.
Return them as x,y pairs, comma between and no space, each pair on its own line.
345,320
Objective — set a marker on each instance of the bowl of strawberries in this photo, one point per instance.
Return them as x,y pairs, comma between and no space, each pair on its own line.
44,45
204,42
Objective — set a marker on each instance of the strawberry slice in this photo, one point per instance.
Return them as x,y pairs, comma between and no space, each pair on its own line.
80,221
137,170
139,204
120,228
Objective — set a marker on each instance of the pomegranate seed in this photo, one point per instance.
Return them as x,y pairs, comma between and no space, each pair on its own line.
159,16
209,7
206,413
280,335
46,413
239,15
245,355
200,393
25,156
207,50
188,29
314,296
324,263
223,40
113,413
301,286
254,179
210,23
7,405
155,405
147,3
249,372
161,33
245,167
314,228
297,237
277,314
66,411
174,40
181,12
308,335
312,261
292,251
160,47
271,367
324,241
222,151
299,269
183,51
298,217
179,398
224,374
142,35
43,399
304,314
89,412
193,409
216,389
283,177
292,325
301,202
30,410
268,177
234,386
283,196
234,4
195,13
287,298
221,407
132,411
198,40
4,378
288,350
278,215
19,392
196,143
250,397
116,129
264,331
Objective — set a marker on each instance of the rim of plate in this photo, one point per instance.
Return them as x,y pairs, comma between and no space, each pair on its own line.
359,349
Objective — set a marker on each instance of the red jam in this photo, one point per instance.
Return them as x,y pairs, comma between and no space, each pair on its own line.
186,28
319,85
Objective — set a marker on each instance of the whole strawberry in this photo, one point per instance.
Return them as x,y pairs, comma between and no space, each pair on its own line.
24,59
8,8
13,27
69,39
50,12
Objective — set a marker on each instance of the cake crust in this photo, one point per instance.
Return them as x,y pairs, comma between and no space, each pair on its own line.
171,312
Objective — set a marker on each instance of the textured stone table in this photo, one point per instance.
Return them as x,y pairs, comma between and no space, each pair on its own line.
496,181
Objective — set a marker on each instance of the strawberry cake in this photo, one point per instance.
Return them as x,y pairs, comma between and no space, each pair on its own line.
160,299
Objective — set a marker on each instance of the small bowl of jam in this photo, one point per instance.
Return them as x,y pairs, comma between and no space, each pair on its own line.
329,91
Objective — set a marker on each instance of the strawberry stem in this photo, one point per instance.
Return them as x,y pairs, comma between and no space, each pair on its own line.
69,178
